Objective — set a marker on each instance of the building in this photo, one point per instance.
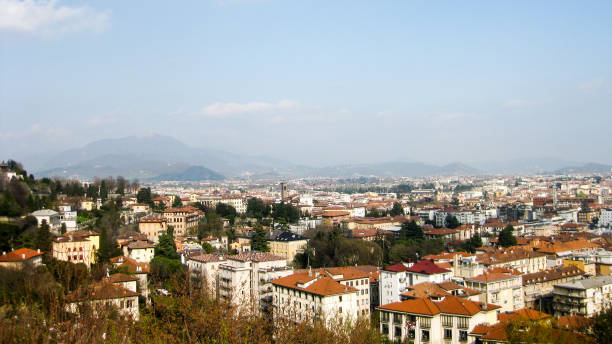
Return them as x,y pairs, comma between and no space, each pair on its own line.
446,320
77,247
426,270
183,220
152,227
239,203
140,208
137,269
141,251
205,267
244,279
605,217
311,295
392,282
522,260
20,258
585,297
68,217
287,245
50,216
539,285
500,286
284,192
104,294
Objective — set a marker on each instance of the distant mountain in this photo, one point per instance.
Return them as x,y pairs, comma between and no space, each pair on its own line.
522,166
192,173
394,169
150,157
585,169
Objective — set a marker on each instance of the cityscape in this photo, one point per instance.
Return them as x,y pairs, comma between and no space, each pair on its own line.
249,171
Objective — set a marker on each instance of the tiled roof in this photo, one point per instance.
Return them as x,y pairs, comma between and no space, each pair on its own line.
131,265
505,256
523,313
551,274
399,267
495,274
101,291
448,305
207,258
574,322
335,213
321,285
427,267
20,255
140,244
119,277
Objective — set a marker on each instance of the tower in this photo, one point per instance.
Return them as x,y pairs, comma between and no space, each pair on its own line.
283,191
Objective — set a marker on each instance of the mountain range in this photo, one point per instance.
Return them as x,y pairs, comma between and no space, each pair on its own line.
159,157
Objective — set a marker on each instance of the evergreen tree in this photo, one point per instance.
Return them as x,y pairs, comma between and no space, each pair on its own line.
103,254
506,237
103,190
259,240
63,228
92,191
144,196
397,209
177,203
42,240
166,246
411,231
451,222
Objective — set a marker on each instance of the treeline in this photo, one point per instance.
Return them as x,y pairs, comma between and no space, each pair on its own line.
279,212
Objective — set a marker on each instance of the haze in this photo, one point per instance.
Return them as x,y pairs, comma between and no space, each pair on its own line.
312,82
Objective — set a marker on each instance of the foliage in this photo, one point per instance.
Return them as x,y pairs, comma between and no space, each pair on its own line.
472,244
108,247
226,211
259,240
451,222
411,231
144,196
506,237
207,247
18,234
166,246
257,209
177,203
602,323
42,240
397,209
285,212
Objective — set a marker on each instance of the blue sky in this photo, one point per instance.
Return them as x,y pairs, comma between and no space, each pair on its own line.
314,82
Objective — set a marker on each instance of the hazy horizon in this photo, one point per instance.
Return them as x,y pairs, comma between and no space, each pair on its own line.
317,84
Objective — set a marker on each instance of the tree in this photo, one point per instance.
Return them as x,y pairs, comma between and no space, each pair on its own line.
108,247
207,247
226,211
177,203
451,222
472,244
103,190
42,240
166,246
506,237
259,240
92,191
411,231
397,209
144,196
602,323
63,228
257,209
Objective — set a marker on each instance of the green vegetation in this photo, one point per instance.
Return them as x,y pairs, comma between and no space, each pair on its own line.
506,237
259,240
397,209
451,222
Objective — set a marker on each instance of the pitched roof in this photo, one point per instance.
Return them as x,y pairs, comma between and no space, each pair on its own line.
207,258
427,267
132,266
20,255
523,314
399,267
319,285
101,291
449,305
551,274
119,277
255,257
289,236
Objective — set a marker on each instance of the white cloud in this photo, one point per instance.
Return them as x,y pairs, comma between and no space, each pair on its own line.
237,109
47,17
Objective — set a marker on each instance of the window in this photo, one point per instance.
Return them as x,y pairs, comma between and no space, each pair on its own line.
397,318
384,316
397,332
463,322
340,310
385,329
447,321
411,333
425,336
463,336
448,333
425,322
340,298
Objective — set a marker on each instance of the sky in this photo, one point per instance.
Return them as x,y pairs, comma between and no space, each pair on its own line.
312,82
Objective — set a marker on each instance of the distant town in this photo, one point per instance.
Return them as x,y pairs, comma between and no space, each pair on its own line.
485,259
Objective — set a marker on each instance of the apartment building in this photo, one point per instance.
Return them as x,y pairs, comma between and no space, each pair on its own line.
205,267
183,220
312,295
244,279
605,217
500,286
77,247
585,297
539,285
447,320
287,245
239,203
19,258
152,227
523,260
395,279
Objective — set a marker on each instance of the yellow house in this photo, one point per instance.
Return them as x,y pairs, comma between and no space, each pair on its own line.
77,247
588,267
152,227
287,245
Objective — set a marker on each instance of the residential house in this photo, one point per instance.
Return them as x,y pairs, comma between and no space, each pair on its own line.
183,220
500,286
20,258
152,227
102,295
137,269
205,267
51,217
77,247
539,285
287,245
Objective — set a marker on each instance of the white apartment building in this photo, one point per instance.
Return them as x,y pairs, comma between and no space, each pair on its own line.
502,287
395,279
605,217
311,295
464,217
244,279
585,297
443,320
239,203
206,268
68,217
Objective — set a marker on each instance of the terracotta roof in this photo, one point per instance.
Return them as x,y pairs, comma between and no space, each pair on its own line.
207,258
449,305
505,256
131,265
101,291
134,245
399,267
321,285
119,277
427,267
495,274
574,322
551,274
20,255
523,314
335,213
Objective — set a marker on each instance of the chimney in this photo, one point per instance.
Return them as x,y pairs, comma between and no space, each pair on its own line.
38,250
23,256
309,271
